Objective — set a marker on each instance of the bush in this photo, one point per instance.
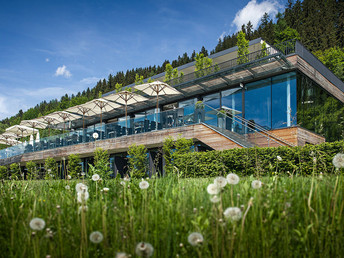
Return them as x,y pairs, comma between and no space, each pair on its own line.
101,164
15,171
137,161
50,166
31,170
3,172
295,160
74,166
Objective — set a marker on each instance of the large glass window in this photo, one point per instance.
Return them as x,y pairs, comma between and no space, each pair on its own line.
258,103
232,102
283,100
212,100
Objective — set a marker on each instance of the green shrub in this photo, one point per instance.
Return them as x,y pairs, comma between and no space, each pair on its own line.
101,164
3,172
137,161
260,161
74,166
31,170
51,169
15,171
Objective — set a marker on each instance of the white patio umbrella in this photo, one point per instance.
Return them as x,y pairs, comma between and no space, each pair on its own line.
34,124
101,105
24,130
31,139
157,89
9,141
82,110
37,137
65,116
127,98
49,120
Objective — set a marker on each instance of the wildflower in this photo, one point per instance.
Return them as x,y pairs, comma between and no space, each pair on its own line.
67,187
95,177
69,177
122,183
256,184
287,205
215,199
83,196
144,184
121,255
81,187
213,189
105,189
144,249
233,179
37,224
126,178
83,174
233,213
279,158
338,160
220,181
195,239
96,237
314,160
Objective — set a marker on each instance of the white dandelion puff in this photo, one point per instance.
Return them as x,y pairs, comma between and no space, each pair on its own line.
195,238
67,187
122,183
233,213
37,224
220,181
80,187
95,177
96,237
233,179
69,177
279,158
213,189
121,255
83,197
143,184
338,160
215,199
256,184
105,189
83,174
144,249
83,208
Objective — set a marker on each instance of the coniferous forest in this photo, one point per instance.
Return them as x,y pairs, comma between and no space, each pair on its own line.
318,24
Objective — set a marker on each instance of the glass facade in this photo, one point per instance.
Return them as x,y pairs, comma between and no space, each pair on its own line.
318,111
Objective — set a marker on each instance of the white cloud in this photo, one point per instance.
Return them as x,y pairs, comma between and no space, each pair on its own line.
3,107
62,71
90,80
254,11
222,35
47,60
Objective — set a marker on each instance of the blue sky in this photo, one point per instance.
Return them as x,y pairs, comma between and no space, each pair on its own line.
50,48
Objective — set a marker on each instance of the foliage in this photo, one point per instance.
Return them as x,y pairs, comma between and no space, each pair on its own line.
333,58
31,170
118,87
3,172
242,48
204,65
101,164
138,79
74,165
260,161
167,149
137,161
51,168
15,171
172,76
292,217
287,34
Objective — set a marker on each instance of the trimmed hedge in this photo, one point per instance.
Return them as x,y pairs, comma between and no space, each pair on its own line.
260,161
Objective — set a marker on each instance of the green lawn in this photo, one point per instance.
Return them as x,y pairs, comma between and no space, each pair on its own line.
286,217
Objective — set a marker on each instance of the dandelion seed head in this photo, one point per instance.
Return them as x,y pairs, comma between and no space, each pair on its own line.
256,184
195,238
220,181
233,213
67,187
279,158
80,187
121,255
144,249
96,237
69,177
95,177
122,183
143,184
213,189
105,189
215,199
37,224
338,160
83,197
233,179
83,208
83,174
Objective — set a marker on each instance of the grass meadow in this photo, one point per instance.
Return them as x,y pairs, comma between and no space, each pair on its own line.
282,217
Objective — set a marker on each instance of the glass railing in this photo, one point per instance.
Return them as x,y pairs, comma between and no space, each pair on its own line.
143,124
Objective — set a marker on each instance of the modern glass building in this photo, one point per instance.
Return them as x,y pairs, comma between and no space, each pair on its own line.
282,95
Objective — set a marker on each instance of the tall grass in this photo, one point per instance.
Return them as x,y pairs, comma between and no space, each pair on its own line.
300,216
